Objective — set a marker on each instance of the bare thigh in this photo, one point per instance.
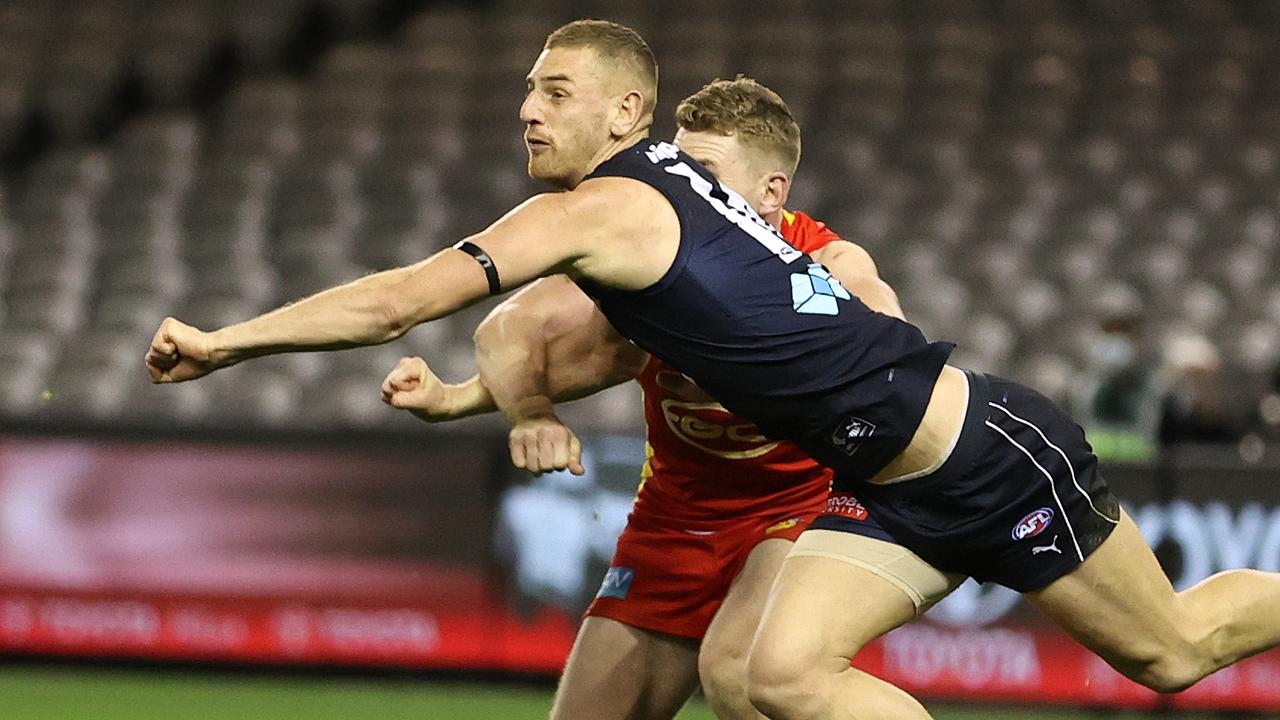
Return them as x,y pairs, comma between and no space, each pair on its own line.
735,623
1116,598
821,612
1119,603
620,672
722,664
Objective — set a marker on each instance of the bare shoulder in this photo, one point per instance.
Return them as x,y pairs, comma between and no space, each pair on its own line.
631,227
610,198
609,208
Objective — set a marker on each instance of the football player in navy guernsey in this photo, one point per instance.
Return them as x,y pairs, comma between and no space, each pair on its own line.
976,475
719,506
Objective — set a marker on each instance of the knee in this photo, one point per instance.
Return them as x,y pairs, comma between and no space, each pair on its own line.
1178,663
723,672
1174,671
777,684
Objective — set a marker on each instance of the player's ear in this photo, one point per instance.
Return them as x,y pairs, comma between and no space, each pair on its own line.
777,188
629,114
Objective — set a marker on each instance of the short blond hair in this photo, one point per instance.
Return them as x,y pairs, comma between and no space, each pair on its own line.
615,42
747,109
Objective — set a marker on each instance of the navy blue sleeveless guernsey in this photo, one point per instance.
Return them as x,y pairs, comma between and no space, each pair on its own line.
768,332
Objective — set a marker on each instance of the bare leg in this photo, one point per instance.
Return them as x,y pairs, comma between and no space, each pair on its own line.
618,672
722,664
1120,605
820,613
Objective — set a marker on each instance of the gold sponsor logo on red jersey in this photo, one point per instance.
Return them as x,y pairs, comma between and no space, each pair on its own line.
711,428
700,421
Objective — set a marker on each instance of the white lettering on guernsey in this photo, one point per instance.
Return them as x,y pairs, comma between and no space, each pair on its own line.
734,208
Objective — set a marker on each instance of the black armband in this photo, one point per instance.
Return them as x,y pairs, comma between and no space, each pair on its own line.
486,262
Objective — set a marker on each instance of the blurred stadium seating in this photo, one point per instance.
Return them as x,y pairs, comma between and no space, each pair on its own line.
1013,165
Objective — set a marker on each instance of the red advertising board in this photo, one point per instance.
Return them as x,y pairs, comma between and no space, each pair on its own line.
428,556
1036,663
1031,663
476,633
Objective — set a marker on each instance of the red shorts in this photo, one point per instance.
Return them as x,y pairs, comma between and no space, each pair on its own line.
673,580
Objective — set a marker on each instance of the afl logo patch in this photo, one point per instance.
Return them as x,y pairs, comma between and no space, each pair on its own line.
1033,524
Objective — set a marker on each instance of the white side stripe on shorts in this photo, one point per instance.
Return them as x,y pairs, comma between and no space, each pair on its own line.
1046,440
1052,488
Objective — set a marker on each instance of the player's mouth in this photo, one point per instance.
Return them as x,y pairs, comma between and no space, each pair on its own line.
536,145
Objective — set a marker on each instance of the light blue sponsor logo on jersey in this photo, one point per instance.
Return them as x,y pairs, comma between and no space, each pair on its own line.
814,292
617,583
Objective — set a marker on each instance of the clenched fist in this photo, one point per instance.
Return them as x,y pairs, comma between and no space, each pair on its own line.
412,386
179,353
540,443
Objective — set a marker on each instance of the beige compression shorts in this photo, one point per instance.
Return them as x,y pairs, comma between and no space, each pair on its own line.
922,582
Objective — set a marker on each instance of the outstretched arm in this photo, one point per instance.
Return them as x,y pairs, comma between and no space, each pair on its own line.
598,230
547,341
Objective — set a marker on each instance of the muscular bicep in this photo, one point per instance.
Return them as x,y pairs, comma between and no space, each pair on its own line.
856,270
590,356
550,340
615,231
534,239
531,242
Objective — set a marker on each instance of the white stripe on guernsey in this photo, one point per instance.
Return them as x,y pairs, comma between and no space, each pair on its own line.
1075,482
1052,489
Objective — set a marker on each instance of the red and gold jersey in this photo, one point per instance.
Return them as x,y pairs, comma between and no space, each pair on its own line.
705,463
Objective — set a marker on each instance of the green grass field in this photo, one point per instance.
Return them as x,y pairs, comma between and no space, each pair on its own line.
41,693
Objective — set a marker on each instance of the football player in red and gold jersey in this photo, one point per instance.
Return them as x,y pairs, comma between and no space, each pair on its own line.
719,504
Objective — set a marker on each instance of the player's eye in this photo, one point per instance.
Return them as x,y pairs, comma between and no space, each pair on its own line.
559,94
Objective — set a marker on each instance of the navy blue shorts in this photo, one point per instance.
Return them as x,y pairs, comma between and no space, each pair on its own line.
1019,501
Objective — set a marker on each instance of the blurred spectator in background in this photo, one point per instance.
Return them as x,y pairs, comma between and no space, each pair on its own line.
1122,396
1267,420
1192,409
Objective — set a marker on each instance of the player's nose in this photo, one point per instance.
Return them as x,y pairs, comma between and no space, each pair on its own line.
530,110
